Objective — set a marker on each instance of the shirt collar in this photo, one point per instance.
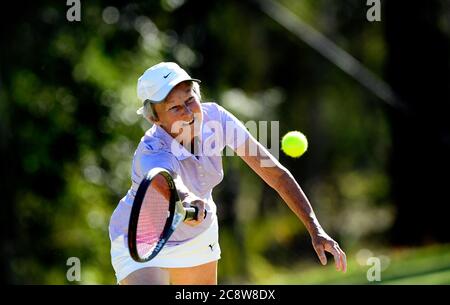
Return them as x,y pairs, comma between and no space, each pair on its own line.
179,151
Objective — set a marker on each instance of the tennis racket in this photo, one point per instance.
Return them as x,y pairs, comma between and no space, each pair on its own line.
156,212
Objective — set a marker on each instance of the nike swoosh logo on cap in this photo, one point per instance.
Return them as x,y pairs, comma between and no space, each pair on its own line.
167,75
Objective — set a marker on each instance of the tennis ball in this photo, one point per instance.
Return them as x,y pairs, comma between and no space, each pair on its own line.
294,144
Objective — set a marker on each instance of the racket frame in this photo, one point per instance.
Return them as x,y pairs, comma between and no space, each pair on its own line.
176,211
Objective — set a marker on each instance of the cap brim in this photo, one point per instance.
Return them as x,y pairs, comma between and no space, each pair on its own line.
163,92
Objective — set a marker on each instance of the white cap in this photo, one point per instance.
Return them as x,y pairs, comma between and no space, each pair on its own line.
157,81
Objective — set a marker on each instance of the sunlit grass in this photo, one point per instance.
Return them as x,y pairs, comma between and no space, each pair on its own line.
428,265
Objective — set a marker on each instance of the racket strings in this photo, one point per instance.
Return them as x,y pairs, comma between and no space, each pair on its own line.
151,222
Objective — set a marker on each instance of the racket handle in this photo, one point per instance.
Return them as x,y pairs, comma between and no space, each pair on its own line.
192,213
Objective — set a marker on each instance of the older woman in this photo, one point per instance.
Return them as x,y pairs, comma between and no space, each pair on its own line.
187,138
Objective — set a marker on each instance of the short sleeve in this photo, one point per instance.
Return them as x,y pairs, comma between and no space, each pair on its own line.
148,156
235,133
149,161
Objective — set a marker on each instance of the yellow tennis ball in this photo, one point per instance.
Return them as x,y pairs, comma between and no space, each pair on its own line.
294,144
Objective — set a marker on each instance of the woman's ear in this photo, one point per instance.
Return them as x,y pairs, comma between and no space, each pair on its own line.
153,120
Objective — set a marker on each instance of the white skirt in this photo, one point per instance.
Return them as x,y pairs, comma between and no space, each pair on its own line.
200,250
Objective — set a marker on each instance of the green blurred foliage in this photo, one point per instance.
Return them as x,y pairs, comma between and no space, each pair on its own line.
70,129
399,266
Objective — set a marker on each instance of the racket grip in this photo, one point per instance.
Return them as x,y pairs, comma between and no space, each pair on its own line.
192,213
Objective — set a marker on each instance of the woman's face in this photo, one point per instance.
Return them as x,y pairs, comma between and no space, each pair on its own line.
181,113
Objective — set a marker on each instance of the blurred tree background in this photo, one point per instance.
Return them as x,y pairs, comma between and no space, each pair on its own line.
376,176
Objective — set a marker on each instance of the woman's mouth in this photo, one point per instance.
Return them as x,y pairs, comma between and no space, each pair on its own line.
190,122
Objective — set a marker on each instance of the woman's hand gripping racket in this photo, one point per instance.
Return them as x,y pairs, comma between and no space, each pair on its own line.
157,211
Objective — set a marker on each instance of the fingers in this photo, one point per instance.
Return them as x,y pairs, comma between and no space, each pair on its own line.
339,257
200,205
192,222
344,260
321,254
201,209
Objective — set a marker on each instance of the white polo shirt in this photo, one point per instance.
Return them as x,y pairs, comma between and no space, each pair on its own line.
198,174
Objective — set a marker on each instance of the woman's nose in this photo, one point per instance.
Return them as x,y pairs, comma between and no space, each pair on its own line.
187,110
